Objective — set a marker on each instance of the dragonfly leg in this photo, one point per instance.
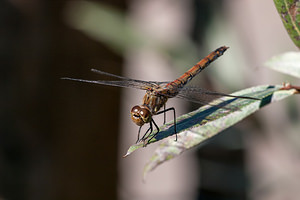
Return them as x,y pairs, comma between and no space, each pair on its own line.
165,114
152,121
138,138
149,129
145,137
173,109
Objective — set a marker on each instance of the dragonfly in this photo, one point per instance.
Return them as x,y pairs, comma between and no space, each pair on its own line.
158,93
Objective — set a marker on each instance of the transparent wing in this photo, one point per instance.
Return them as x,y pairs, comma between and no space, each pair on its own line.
124,82
189,93
128,79
203,96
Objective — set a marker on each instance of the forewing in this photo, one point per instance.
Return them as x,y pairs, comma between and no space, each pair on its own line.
124,82
128,79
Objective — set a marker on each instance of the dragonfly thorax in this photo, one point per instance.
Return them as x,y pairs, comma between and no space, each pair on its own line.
154,101
140,115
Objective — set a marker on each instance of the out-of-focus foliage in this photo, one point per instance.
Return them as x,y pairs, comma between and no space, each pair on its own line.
288,63
110,26
103,23
289,11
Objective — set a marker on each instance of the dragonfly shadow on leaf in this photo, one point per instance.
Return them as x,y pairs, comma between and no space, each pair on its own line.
268,99
206,114
196,118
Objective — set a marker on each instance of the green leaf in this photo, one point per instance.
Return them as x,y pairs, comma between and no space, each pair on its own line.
288,63
289,13
205,122
103,23
202,124
113,27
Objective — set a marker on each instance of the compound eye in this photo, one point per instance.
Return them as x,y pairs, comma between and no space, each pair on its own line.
135,109
136,117
145,113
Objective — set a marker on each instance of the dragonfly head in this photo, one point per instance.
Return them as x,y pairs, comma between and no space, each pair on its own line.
140,115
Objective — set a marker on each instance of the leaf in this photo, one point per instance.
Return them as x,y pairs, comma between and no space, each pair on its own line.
114,28
288,63
202,126
103,23
289,13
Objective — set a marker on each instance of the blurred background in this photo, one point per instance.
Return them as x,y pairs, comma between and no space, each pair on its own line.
65,140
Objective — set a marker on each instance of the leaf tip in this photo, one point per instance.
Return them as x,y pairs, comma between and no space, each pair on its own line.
132,149
127,154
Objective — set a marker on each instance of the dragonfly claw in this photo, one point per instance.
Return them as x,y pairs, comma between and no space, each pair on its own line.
145,143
